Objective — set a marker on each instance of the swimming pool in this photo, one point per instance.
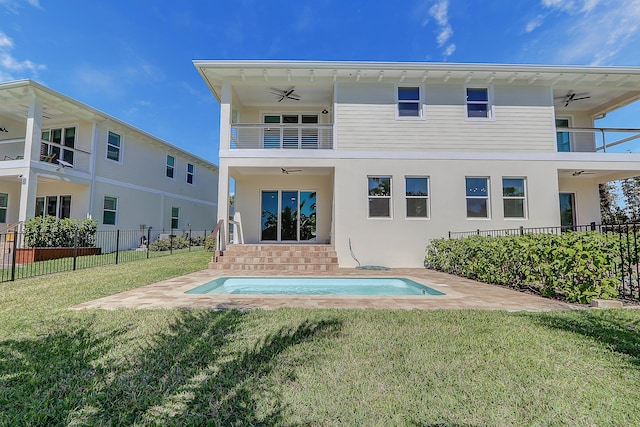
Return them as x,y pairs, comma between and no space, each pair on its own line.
381,286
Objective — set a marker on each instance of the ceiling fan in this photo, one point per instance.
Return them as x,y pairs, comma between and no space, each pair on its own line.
572,96
288,171
582,172
285,93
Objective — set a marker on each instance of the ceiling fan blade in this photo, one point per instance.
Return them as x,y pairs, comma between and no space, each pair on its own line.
583,97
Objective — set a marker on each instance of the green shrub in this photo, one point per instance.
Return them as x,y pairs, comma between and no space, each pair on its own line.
52,232
168,244
574,266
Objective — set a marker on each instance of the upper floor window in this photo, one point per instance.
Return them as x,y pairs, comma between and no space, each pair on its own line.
113,147
417,195
379,196
409,102
514,197
478,103
4,202
190,171
58,144
110,208
170,166
477,194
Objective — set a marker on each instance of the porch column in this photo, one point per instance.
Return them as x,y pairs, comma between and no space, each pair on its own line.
223,197
28,190
33,135
225,117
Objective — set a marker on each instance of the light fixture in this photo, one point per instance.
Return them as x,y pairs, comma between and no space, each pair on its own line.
325,111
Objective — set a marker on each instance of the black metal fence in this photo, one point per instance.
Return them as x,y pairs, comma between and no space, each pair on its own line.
18,261
626,238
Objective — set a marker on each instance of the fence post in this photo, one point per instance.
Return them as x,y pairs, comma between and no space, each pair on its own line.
75,248
148,240
117,244
15,255
593,226
449,234
171,243
478,231
522,230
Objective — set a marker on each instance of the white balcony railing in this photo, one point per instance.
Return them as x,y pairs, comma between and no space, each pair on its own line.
572,139
294,137
50,152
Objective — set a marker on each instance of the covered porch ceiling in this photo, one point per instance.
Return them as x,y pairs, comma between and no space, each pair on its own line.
597,175
600,89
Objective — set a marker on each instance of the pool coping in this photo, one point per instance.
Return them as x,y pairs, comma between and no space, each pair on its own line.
460,293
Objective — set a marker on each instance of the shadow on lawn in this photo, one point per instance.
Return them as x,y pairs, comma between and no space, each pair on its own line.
617,329
190,374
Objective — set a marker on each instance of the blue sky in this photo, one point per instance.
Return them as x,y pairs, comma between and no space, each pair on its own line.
132,59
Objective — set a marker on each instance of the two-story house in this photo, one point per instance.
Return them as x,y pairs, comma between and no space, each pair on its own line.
62,158
382,157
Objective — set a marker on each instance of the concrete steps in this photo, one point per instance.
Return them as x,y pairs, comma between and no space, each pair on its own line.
276,257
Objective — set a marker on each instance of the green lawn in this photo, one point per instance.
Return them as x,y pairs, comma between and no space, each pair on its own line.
289,367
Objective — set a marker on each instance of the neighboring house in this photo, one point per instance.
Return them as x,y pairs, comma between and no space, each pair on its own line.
390,155
62,158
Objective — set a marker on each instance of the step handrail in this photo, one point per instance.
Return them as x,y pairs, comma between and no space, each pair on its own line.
12,227
217,237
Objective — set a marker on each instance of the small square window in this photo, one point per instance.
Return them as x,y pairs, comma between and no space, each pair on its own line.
478,105
409,103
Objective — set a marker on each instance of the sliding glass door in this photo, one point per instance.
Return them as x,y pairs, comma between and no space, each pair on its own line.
288,216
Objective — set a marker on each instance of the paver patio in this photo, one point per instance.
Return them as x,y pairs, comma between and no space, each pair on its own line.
460,293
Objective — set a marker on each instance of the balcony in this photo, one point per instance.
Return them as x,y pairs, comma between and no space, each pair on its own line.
590,140
281,136
50,152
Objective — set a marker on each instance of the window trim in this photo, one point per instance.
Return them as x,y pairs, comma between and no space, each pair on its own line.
525,205
490,104
427,197
173,168
45,204
192,173
569,119
487,198
61,145
120,151
115,211
389,198
421,102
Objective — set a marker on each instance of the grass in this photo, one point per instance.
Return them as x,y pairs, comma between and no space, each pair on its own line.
292,366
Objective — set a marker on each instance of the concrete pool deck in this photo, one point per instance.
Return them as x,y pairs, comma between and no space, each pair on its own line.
460,293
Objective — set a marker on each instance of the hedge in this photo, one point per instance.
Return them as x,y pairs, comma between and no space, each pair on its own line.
575,266
51,232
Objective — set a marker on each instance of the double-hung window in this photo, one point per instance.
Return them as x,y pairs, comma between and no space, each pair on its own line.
190,172
110,208
409,102
4,203
113,147
175,217
417,195
379,196
477,193
478,103
514,197
171,162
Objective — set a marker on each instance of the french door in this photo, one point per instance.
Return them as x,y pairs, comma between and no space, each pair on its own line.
288,216
567,210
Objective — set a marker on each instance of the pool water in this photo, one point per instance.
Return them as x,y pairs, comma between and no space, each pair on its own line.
388,286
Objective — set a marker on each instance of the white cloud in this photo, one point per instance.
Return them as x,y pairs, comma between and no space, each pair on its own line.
12,68
588,31
440,12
